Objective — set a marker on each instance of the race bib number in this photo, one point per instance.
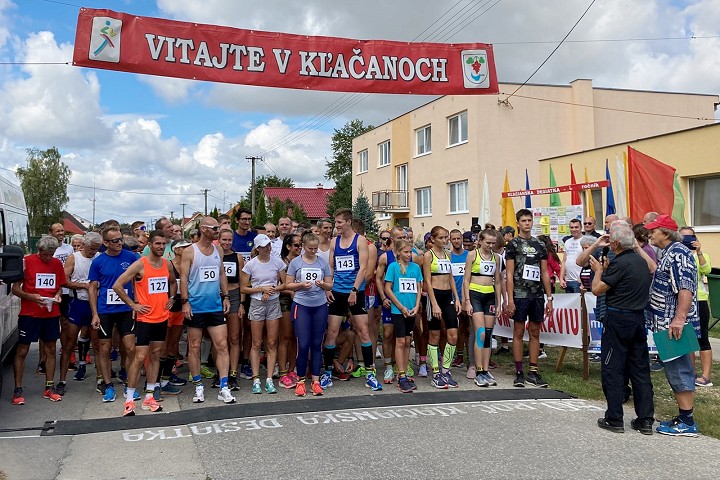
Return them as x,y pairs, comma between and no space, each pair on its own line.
45,280
246,256
345,263
157,285
208,274
531,273
230,268
408,285
458,269
488,267
310,274
112,298
444,266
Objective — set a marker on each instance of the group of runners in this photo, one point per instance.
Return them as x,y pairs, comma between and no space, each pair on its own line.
300,299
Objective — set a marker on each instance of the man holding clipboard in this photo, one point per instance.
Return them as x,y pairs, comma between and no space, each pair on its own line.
673,305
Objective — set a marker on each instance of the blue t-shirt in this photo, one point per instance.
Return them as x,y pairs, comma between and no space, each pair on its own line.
301,271
457,262
243,244
405,286
106,269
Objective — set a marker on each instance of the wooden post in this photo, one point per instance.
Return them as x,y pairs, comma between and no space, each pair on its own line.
561,359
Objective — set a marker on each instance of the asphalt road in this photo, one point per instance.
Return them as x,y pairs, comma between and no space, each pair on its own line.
501,432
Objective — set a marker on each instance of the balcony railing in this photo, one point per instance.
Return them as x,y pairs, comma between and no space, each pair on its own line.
390,201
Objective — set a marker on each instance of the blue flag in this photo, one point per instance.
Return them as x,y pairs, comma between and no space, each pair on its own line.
528,202
610,202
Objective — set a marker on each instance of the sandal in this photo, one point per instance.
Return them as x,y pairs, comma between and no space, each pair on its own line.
703,382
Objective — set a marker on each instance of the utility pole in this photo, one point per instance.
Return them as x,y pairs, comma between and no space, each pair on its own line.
93,221
253,159
205,192
182,222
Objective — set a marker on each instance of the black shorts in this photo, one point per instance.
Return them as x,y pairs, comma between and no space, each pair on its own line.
34,328
483,302
123,320
403,325
444,299
340,306
65,304
532,309
206,320
146,332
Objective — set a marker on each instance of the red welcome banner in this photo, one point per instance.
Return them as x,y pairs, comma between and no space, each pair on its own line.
575,187
154,46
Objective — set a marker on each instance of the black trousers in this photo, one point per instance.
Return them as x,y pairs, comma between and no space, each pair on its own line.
624,351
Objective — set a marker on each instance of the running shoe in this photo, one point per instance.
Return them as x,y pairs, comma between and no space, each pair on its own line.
378,351
199,394
542,355
170,389
157,394
129,410
136,395
678,428
317,390
326,380
492,365
423,371
471,373
372,383
595,358
73,362
450,380
703,382
276,372
80,374
491,379
206,372
100,386
341,375
412,383
177,381
17,398
233,384
114,354
216,381
481,381
123,375
359,372
270,386
300,389
458,362
294,376
60,387
404,385
534,378
247,372
109,395
225,396
519,380
51,394
389,375
410,372
657,366
287,382
439,381
40,370
151,404
256,388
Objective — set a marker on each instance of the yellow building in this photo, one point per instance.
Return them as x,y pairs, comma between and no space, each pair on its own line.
426,167
694,153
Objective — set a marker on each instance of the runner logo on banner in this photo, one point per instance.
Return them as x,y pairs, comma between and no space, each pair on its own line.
169,48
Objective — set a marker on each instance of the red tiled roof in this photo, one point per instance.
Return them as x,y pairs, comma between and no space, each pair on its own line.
71,228
313,200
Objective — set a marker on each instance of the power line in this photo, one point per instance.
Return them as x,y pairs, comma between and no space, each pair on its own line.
128,192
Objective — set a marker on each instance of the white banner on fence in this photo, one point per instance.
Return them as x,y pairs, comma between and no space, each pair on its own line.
563,328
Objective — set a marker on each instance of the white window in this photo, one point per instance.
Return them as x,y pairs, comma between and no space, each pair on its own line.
457,129
384,154
458,197
424,201
705,198
422,141
363,161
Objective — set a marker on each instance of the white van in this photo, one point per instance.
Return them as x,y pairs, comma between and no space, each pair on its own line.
14,244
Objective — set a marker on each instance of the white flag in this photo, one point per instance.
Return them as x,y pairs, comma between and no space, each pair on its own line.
485,206
621,192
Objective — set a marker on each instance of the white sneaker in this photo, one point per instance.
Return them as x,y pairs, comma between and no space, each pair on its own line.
378,351
225,396
276,372
471,373
199,394
423,371
542,355
389,375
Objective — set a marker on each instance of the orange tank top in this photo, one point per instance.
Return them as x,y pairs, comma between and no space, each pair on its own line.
153,290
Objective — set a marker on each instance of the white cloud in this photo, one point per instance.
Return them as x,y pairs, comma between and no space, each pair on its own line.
172,90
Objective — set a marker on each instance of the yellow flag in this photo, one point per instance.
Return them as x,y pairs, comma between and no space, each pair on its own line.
589,205
508,209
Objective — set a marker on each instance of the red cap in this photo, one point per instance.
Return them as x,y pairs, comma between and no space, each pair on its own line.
662,221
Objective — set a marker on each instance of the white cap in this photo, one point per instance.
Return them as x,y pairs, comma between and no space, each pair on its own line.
262,240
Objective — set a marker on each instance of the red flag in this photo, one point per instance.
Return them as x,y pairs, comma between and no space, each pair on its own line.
650,185
575,195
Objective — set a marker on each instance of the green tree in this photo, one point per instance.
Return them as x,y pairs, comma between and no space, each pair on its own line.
299,214
44,183
339,169
362,210
279,210
266,181
261,213
214,212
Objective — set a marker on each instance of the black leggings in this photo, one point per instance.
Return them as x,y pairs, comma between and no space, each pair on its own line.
446,303
704,311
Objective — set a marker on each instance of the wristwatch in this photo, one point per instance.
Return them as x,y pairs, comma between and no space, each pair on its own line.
550,298
354,290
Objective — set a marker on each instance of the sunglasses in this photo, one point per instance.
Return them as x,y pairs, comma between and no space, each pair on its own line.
143,228
588,223
214,228
385,238
296,245
116,240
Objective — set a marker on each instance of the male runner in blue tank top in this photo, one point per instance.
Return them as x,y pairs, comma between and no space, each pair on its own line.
348,259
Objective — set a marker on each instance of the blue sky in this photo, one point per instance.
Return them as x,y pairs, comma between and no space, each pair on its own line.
170,138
